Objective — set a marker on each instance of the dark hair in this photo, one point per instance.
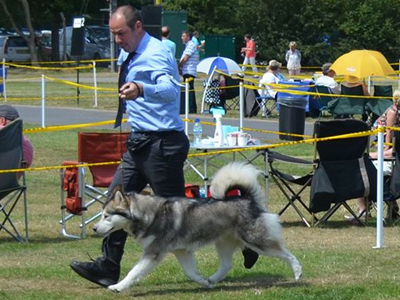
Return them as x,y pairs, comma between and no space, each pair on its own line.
247,35
166,32
131,15
187,32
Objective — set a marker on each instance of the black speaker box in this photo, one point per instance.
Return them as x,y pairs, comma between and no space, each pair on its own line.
151,15
78,41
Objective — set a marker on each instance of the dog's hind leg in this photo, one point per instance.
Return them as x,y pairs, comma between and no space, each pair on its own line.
145,265
225,249
188,264
276,249
265,237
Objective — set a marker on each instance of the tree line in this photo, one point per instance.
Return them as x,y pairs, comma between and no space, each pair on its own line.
323,29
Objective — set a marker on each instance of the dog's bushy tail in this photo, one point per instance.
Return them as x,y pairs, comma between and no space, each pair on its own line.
237,175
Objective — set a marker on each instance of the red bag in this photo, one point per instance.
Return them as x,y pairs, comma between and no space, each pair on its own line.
73,203
193,191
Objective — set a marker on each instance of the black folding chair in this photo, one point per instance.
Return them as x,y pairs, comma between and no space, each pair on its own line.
292,186
13,221
344,169
230,97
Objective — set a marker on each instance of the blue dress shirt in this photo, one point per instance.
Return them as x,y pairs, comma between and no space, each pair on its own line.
158,108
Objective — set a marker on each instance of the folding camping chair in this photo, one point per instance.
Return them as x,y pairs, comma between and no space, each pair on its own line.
349,106
231,93
11,189
92,148
266,102
376,107
344,170
323,102
290,185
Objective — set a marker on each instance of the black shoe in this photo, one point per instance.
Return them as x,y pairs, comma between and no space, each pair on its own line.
250,258
96,273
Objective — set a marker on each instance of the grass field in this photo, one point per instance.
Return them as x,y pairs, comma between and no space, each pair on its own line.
338,259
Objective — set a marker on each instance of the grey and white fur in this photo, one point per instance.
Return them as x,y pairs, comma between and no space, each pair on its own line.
181,226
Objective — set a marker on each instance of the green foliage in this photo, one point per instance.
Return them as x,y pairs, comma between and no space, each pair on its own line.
323,29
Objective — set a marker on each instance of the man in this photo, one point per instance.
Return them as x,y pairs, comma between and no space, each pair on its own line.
249,55
196,41
8,114
188,69
165,32
327,79
157,146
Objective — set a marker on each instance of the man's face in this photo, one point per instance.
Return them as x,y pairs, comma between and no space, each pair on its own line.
125,37
331,73
185,37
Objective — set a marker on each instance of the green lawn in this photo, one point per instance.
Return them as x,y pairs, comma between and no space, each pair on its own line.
338,259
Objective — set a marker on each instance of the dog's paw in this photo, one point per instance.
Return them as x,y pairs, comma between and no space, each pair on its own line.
298,273
116,288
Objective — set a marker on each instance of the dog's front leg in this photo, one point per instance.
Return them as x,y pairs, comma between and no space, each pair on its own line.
187,262
145,265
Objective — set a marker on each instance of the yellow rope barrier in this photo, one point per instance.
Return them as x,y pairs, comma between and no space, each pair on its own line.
312,140
49,68
71,83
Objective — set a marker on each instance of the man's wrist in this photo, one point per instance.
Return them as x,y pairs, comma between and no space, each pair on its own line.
139,90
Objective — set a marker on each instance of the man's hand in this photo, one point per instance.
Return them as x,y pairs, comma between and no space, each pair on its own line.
130,91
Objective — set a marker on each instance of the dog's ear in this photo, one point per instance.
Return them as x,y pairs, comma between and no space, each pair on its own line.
116,189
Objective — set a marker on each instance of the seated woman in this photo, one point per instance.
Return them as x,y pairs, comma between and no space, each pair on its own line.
353,86
269,77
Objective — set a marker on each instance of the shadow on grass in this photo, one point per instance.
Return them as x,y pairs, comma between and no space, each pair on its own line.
255,281
335,224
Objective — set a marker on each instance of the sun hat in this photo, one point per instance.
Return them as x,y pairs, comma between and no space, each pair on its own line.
8,112
274,64
351,79
326,68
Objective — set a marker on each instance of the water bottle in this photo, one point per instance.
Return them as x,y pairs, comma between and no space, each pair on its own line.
197,132
202,192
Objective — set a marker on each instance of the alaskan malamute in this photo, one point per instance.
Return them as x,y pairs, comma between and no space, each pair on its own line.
181,226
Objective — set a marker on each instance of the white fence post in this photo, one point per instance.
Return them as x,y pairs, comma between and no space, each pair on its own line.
187,106
379,196
241,105
43,102
95,83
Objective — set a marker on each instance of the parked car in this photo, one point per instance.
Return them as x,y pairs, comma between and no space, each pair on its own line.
97,42
14,48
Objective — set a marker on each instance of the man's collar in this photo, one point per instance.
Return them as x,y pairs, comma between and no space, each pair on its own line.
143,42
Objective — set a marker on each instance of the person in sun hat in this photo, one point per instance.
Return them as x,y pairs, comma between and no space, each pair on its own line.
353,81
8,114
266,84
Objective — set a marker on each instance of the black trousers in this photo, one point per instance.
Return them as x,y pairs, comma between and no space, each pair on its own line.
192,96
160,164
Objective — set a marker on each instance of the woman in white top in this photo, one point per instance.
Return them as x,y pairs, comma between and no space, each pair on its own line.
293,59
266,90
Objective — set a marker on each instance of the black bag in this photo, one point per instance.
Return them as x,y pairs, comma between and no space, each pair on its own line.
137,141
